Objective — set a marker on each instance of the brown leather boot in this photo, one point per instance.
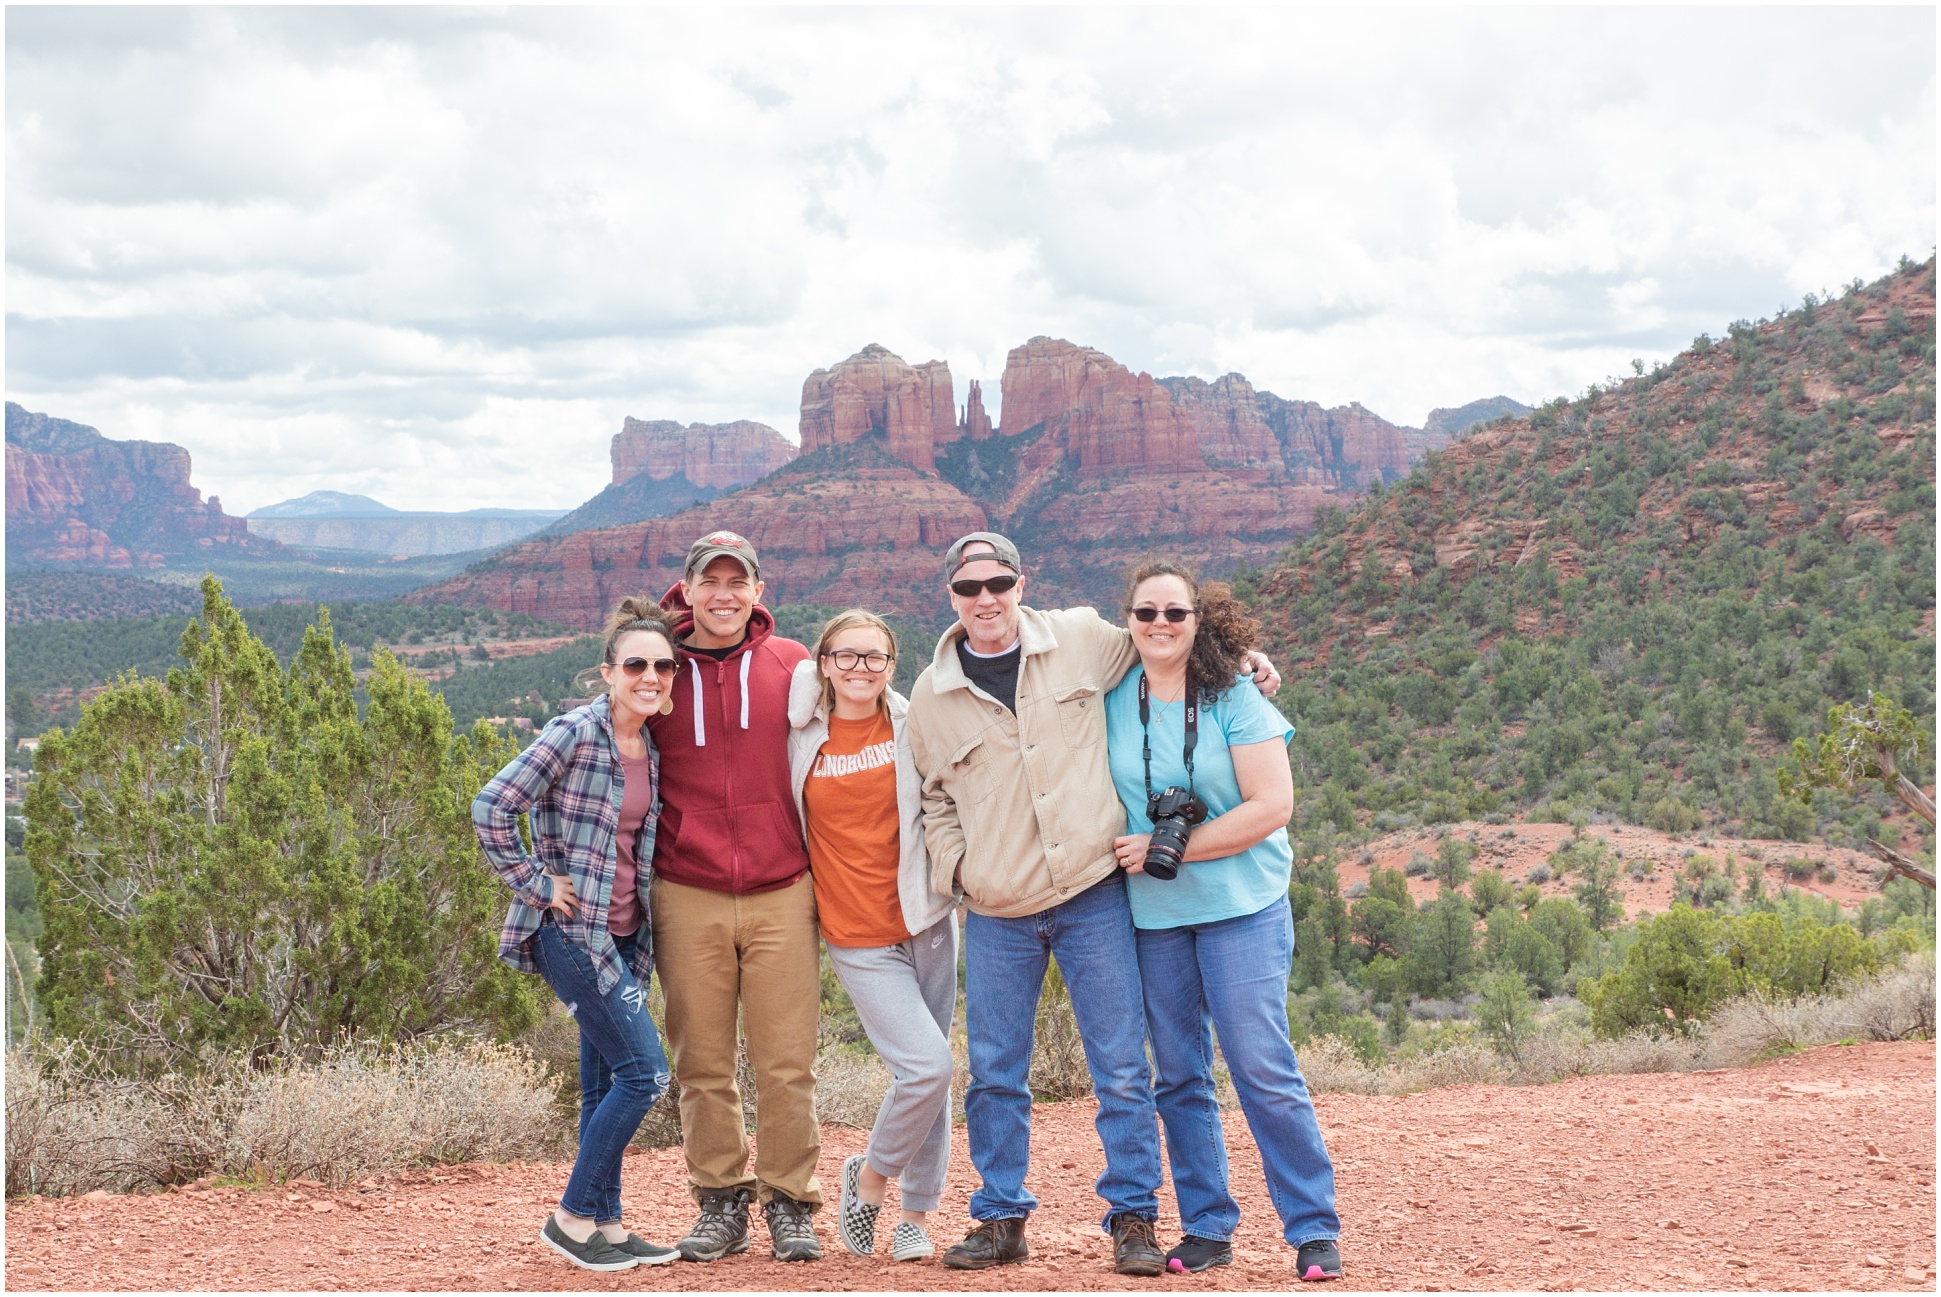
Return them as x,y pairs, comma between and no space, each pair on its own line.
990,1242
1135,1246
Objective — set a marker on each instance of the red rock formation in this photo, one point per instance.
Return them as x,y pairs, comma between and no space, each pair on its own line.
715,455
1229,421
1348,446
1104,416
875,393
75,497
976,424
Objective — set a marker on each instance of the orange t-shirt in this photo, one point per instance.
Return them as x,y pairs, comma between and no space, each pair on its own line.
854,851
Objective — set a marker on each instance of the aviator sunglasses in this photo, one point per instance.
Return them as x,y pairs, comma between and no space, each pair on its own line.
971,589
1175,615
662,666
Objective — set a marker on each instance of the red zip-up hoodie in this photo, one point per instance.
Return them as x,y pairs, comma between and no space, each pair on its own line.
728,820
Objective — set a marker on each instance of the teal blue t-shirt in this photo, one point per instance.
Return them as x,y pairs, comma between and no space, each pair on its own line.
1206,891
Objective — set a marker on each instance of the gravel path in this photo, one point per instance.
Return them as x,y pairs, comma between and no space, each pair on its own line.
1812,1172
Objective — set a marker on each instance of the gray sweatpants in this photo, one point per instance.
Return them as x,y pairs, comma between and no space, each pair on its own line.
905,995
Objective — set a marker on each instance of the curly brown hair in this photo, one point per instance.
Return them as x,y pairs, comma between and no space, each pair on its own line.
1225,633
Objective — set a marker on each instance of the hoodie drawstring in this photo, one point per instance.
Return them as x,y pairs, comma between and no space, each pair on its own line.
700,727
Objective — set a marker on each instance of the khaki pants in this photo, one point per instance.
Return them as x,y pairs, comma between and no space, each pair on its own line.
715,951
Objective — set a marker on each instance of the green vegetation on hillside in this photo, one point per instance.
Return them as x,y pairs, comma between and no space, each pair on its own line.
83,596
1672,579
50,662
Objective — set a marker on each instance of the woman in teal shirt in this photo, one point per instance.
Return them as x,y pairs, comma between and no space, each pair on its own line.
1216,941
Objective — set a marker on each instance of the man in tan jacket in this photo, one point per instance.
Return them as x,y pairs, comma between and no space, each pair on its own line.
1007,727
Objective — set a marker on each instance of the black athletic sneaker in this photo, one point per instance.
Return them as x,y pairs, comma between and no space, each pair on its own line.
791,1236
722,1229
1135,1247
594,1254
1195,1254
990,1242
1318,1259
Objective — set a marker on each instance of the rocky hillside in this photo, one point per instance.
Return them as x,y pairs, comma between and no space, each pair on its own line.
77,499
1624,607
660,467
1093,466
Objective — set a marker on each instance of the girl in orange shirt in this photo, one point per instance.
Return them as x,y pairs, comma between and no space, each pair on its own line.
892,940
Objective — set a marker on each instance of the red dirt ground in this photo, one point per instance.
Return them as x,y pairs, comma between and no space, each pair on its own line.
1812,1172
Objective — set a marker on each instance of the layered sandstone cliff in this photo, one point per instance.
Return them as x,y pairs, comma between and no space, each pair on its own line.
661,466
876,393
76,498
719,456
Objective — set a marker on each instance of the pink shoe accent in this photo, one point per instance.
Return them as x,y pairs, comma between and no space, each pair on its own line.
1176,1265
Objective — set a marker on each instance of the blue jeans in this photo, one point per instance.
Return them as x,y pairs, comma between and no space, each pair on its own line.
1231,976
1004,974
622,1067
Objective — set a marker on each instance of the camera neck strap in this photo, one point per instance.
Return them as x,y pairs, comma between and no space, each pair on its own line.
1192,700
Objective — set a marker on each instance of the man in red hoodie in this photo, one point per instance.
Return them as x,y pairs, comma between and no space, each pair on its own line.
734,913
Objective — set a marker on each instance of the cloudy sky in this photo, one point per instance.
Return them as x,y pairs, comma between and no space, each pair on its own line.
437,255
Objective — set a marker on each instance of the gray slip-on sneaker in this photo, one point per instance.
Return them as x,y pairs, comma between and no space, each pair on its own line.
647,1253
594,1254
910,1243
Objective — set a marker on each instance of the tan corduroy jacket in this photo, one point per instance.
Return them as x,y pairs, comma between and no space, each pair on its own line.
1020,811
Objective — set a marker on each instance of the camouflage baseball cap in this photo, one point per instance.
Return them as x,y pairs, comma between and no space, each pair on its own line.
1002,551
721,544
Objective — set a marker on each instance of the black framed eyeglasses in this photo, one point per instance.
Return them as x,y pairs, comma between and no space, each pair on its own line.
1175,614
850,659
665,667
968,589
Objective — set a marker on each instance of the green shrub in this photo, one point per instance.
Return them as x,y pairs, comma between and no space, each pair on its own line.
237,860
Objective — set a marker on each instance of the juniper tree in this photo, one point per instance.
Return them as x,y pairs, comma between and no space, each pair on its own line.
233,858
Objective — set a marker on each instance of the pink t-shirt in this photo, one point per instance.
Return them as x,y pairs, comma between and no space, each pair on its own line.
636,799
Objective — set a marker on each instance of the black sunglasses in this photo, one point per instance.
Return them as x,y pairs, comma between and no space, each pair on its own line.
971,589
1175,615
662,666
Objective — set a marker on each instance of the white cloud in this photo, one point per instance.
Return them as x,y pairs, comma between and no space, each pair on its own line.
436,255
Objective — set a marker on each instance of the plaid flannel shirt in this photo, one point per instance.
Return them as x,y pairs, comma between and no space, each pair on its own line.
571,784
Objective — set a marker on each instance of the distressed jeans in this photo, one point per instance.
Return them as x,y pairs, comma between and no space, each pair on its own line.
622,1067
1091,937
1231,977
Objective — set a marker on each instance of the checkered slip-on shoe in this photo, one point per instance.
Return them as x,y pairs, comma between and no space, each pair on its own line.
910,1243
856,1219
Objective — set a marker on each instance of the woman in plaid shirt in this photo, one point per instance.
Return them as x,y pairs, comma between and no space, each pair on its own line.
590,784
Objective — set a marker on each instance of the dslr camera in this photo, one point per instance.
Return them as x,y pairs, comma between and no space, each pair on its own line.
1173,812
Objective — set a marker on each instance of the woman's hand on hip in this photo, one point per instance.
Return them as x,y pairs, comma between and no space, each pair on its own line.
1131,851
564,899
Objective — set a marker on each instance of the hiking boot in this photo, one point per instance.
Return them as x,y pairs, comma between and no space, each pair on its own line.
594,1254
990,1242
646,1253
1195,1254
722,1229
855,1219
910,1243
1135,1247
791,1235
1318,1259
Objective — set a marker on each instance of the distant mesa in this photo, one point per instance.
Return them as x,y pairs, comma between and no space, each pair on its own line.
661,466
1093,466
336,520
78,499
324,504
